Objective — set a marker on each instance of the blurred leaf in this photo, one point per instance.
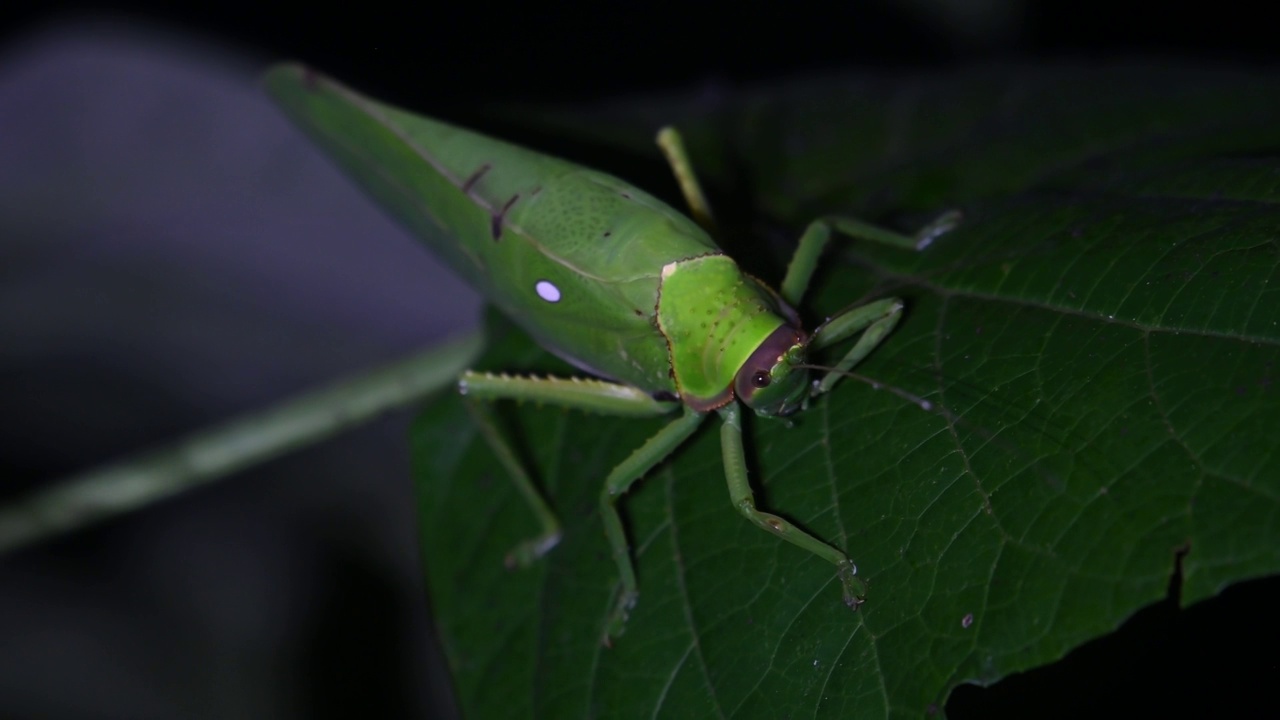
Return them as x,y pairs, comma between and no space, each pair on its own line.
1096,345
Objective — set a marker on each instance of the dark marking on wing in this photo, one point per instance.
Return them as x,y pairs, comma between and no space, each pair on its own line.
495,227
665,396
475,177
625,195
607,233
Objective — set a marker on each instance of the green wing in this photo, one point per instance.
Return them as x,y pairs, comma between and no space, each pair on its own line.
572,255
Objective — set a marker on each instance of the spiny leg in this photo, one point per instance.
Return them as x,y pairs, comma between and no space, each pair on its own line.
619,481
583,394
589,394
735,472
673,148
815,238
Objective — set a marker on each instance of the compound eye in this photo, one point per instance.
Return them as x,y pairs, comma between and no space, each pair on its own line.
768,371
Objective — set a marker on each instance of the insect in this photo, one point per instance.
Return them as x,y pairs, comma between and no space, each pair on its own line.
614,281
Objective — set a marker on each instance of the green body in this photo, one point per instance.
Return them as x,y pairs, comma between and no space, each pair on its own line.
614,281
517,224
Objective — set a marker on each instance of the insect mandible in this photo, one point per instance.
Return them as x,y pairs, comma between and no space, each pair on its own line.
614,281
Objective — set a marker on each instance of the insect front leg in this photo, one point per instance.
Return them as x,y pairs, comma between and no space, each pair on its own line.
874,320
815,238
735,471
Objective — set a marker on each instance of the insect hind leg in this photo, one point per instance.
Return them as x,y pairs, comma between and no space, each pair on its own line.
530,550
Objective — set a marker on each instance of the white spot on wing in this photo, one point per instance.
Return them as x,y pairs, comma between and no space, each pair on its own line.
547,291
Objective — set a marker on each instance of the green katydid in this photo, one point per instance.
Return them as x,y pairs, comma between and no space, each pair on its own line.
616,282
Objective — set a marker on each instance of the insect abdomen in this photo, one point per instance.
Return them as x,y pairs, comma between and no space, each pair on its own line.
572,255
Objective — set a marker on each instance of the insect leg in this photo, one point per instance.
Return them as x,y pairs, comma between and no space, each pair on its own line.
578,393
816,236
616,484
735,472
535,547
673,148
583,394
875,320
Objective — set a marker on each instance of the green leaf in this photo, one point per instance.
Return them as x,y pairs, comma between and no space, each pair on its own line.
1097,344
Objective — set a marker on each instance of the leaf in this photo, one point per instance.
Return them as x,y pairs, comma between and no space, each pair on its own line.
1098,344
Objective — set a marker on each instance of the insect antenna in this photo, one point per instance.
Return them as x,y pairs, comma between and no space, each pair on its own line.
926,405
1042,427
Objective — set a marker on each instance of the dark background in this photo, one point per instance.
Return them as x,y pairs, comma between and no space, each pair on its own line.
164,264
438,53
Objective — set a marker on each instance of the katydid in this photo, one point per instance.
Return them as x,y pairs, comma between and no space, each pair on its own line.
614,281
